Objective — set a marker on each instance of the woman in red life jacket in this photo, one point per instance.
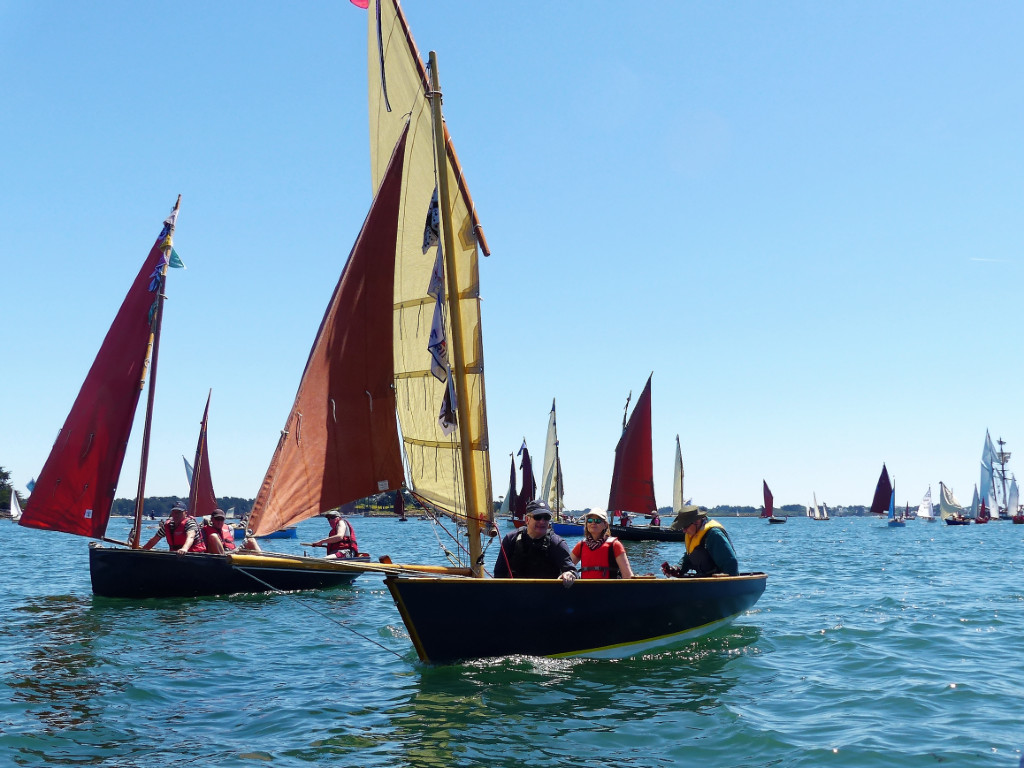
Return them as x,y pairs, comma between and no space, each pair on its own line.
601,556
219,538
181,531
341,542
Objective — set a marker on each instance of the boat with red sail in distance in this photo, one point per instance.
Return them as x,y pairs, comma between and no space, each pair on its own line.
451,618
769,505
632,484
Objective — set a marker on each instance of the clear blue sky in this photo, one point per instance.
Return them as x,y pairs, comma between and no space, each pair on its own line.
804,218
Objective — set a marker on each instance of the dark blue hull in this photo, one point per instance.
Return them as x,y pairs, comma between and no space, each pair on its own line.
456,619
142,573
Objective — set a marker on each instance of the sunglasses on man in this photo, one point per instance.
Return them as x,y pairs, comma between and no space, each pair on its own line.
541,516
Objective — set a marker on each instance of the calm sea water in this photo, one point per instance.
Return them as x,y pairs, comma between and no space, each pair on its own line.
870,647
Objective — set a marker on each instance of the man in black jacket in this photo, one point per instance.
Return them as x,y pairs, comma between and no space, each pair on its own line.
534,551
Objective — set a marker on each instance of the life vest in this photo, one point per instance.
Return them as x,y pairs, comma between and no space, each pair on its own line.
177,534
529,557
227,536
700,558
599,563
348,543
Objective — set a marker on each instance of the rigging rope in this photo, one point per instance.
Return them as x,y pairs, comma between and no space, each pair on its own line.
274,589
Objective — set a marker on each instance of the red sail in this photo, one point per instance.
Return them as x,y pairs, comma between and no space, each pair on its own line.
529,489
201,499
340,441
883,492
633,477
511,497
769,501
75,489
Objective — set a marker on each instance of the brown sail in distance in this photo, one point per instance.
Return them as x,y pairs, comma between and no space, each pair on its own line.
201,498
883,492
632,486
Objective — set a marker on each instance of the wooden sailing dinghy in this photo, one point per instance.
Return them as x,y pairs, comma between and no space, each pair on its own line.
75,489
451,618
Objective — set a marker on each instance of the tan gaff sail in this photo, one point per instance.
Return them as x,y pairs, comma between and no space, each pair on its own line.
433,460
551,489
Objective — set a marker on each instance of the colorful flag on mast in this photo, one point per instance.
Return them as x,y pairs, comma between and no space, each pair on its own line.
432,229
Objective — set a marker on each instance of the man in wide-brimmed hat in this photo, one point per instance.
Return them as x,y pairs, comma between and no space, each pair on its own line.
709,551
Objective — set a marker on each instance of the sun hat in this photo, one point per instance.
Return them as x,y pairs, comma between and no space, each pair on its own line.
597,513
688,516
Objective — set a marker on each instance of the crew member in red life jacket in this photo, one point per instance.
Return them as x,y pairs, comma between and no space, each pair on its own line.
341,543
601,556
218,536
181,531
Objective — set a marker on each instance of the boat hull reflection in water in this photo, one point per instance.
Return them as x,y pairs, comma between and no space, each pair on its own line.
140,573
594,618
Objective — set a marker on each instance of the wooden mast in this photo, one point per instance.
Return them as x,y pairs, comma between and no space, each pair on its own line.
474,514
153,353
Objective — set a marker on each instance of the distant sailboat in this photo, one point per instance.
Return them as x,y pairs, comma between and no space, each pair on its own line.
677,480
528,489
508,503
816,512
884,501
949,508
925,510
632,485
15,506
769,505
983,515
551,490
1014,505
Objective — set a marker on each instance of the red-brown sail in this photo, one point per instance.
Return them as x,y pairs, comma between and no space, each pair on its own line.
633,476
529,490
769,501
340,441
201,499
883,492
75,489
